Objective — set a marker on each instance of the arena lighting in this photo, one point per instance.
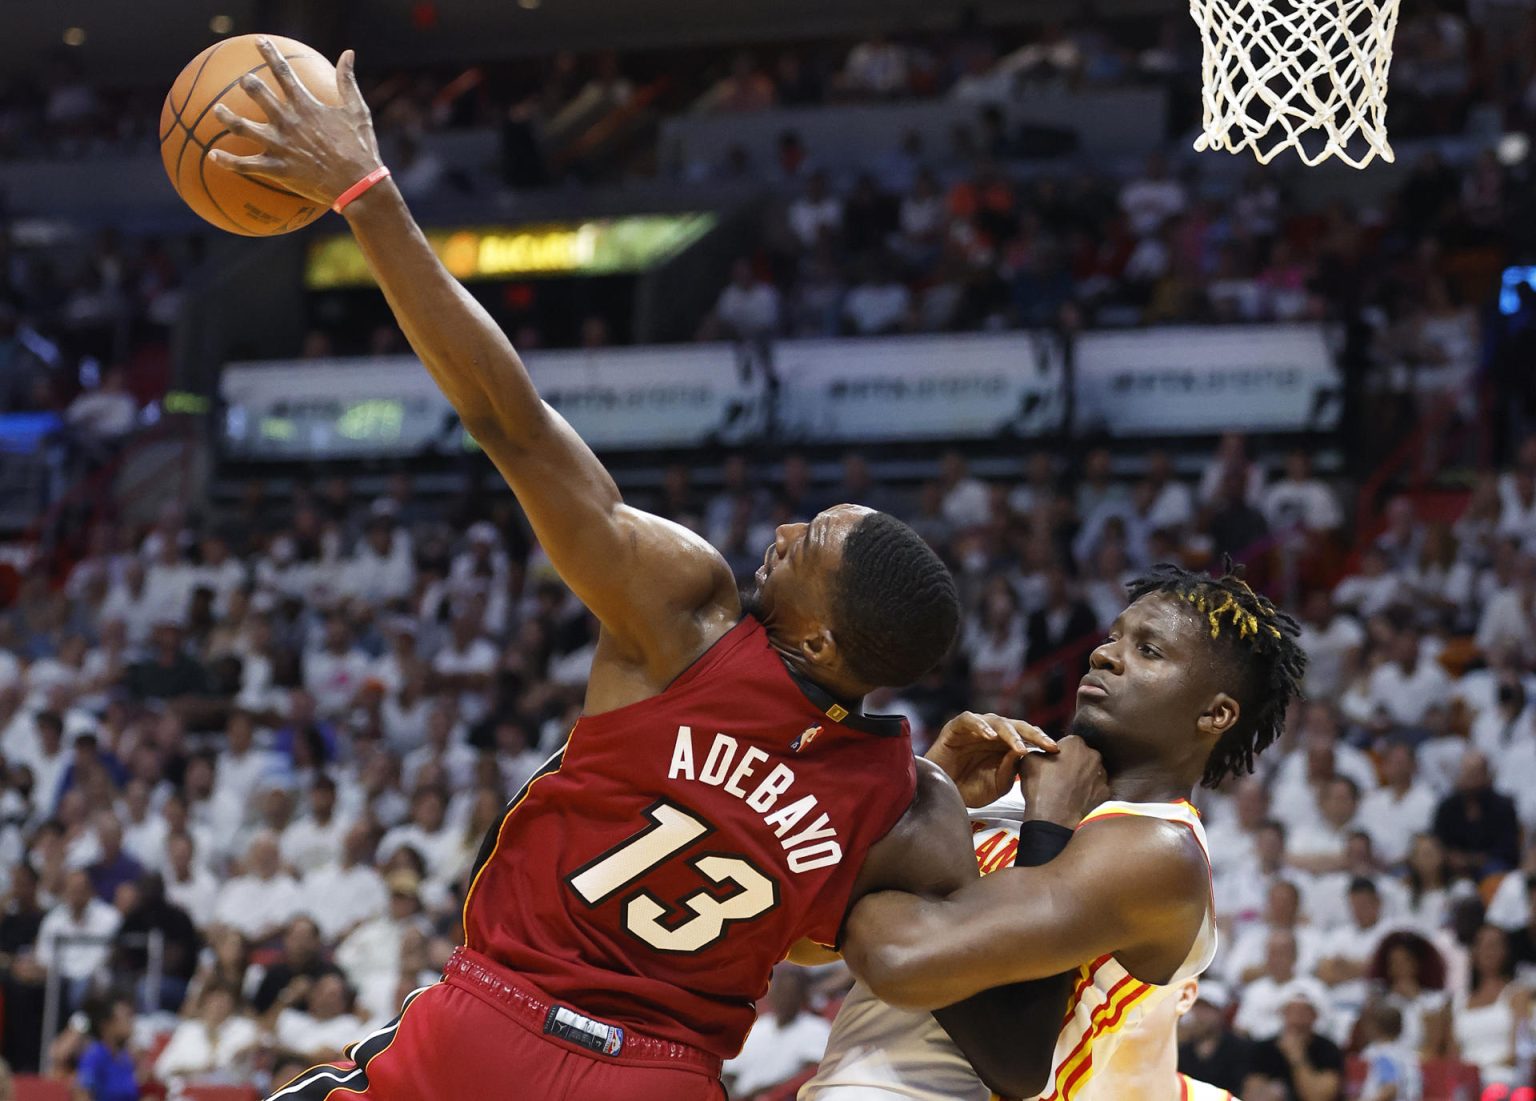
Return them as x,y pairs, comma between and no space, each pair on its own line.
604,246
74,36
1512,148
221,24
528,5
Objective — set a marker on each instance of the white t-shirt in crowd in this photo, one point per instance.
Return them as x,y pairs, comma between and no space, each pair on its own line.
1506,622
749,311
810,218
1173,507
481,657
1407,696
775,1053
1326,649
77,960
877,307
1258,1016
339,898
1309,504
198,896
1369,596
1393,819
1149,203
299,1032
333,679
253,905
193,1049
307,844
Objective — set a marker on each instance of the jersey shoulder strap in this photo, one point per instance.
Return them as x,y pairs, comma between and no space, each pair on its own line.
1182,812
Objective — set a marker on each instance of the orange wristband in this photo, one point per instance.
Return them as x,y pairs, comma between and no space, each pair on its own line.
358,188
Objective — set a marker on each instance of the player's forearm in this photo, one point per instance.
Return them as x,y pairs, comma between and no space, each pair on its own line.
1009,1033
923,954
463,349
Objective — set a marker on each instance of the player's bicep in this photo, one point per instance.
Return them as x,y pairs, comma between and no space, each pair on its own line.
928,852
632,569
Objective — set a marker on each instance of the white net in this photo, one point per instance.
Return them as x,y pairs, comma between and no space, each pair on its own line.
1309,75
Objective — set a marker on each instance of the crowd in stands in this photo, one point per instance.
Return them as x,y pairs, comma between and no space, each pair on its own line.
249,757
85,329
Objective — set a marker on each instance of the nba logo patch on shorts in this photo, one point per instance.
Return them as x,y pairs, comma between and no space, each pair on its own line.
566,1024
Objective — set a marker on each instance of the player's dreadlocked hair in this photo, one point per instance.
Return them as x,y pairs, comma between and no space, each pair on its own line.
1258,640
895,610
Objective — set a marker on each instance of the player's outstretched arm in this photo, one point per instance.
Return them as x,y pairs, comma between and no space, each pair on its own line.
636,572
1119,888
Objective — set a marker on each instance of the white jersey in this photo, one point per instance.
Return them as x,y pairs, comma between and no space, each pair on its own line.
877,1052
1192,1089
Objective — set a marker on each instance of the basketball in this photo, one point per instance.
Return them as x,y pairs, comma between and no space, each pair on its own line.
189,131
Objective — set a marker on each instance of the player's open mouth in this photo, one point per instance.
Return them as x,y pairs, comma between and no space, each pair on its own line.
1092,689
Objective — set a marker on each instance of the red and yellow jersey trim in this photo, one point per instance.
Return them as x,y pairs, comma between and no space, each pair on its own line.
1077,1068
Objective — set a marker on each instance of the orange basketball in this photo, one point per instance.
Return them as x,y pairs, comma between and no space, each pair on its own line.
189,132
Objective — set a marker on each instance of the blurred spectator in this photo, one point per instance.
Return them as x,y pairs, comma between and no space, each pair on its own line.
1400,808
1259,1016
320,1032
215,1042
261,902
747,88
1298,499
817,215
1300,1060
1209,1051
1476,824
1392,1067
1410,974
1485,1020
786,1040
749,308
876,67
151,915
1152,199
75,936
109,1070
292,977
879,303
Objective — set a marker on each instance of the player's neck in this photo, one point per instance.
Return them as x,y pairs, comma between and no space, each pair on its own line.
845,690
1148,783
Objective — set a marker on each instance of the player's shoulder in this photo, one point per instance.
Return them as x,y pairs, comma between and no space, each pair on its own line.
1151,846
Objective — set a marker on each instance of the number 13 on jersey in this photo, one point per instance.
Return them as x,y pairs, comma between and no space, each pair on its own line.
695,922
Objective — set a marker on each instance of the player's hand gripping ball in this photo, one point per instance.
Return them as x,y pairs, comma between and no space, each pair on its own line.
260,134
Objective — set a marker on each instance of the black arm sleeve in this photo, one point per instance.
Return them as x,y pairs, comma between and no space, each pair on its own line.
1009,1032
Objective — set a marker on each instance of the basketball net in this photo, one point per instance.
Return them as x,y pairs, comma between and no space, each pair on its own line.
1309,75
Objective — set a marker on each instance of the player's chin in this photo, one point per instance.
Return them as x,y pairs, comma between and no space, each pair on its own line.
1092,722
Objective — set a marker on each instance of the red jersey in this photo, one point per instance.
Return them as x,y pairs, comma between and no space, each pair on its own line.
659,867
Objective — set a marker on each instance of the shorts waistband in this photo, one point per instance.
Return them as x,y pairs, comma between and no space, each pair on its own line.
470,969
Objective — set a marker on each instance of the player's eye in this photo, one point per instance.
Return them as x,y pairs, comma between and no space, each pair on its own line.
1150,651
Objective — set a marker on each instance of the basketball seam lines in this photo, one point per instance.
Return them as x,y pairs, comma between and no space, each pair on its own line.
176,111
207,147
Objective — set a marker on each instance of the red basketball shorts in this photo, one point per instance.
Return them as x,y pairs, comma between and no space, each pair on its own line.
481,1034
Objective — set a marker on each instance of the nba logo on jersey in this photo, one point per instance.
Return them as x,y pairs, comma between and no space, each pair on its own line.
807,736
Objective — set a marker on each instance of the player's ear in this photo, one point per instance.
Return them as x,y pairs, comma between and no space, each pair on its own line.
1219,716
1189,991
819,647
